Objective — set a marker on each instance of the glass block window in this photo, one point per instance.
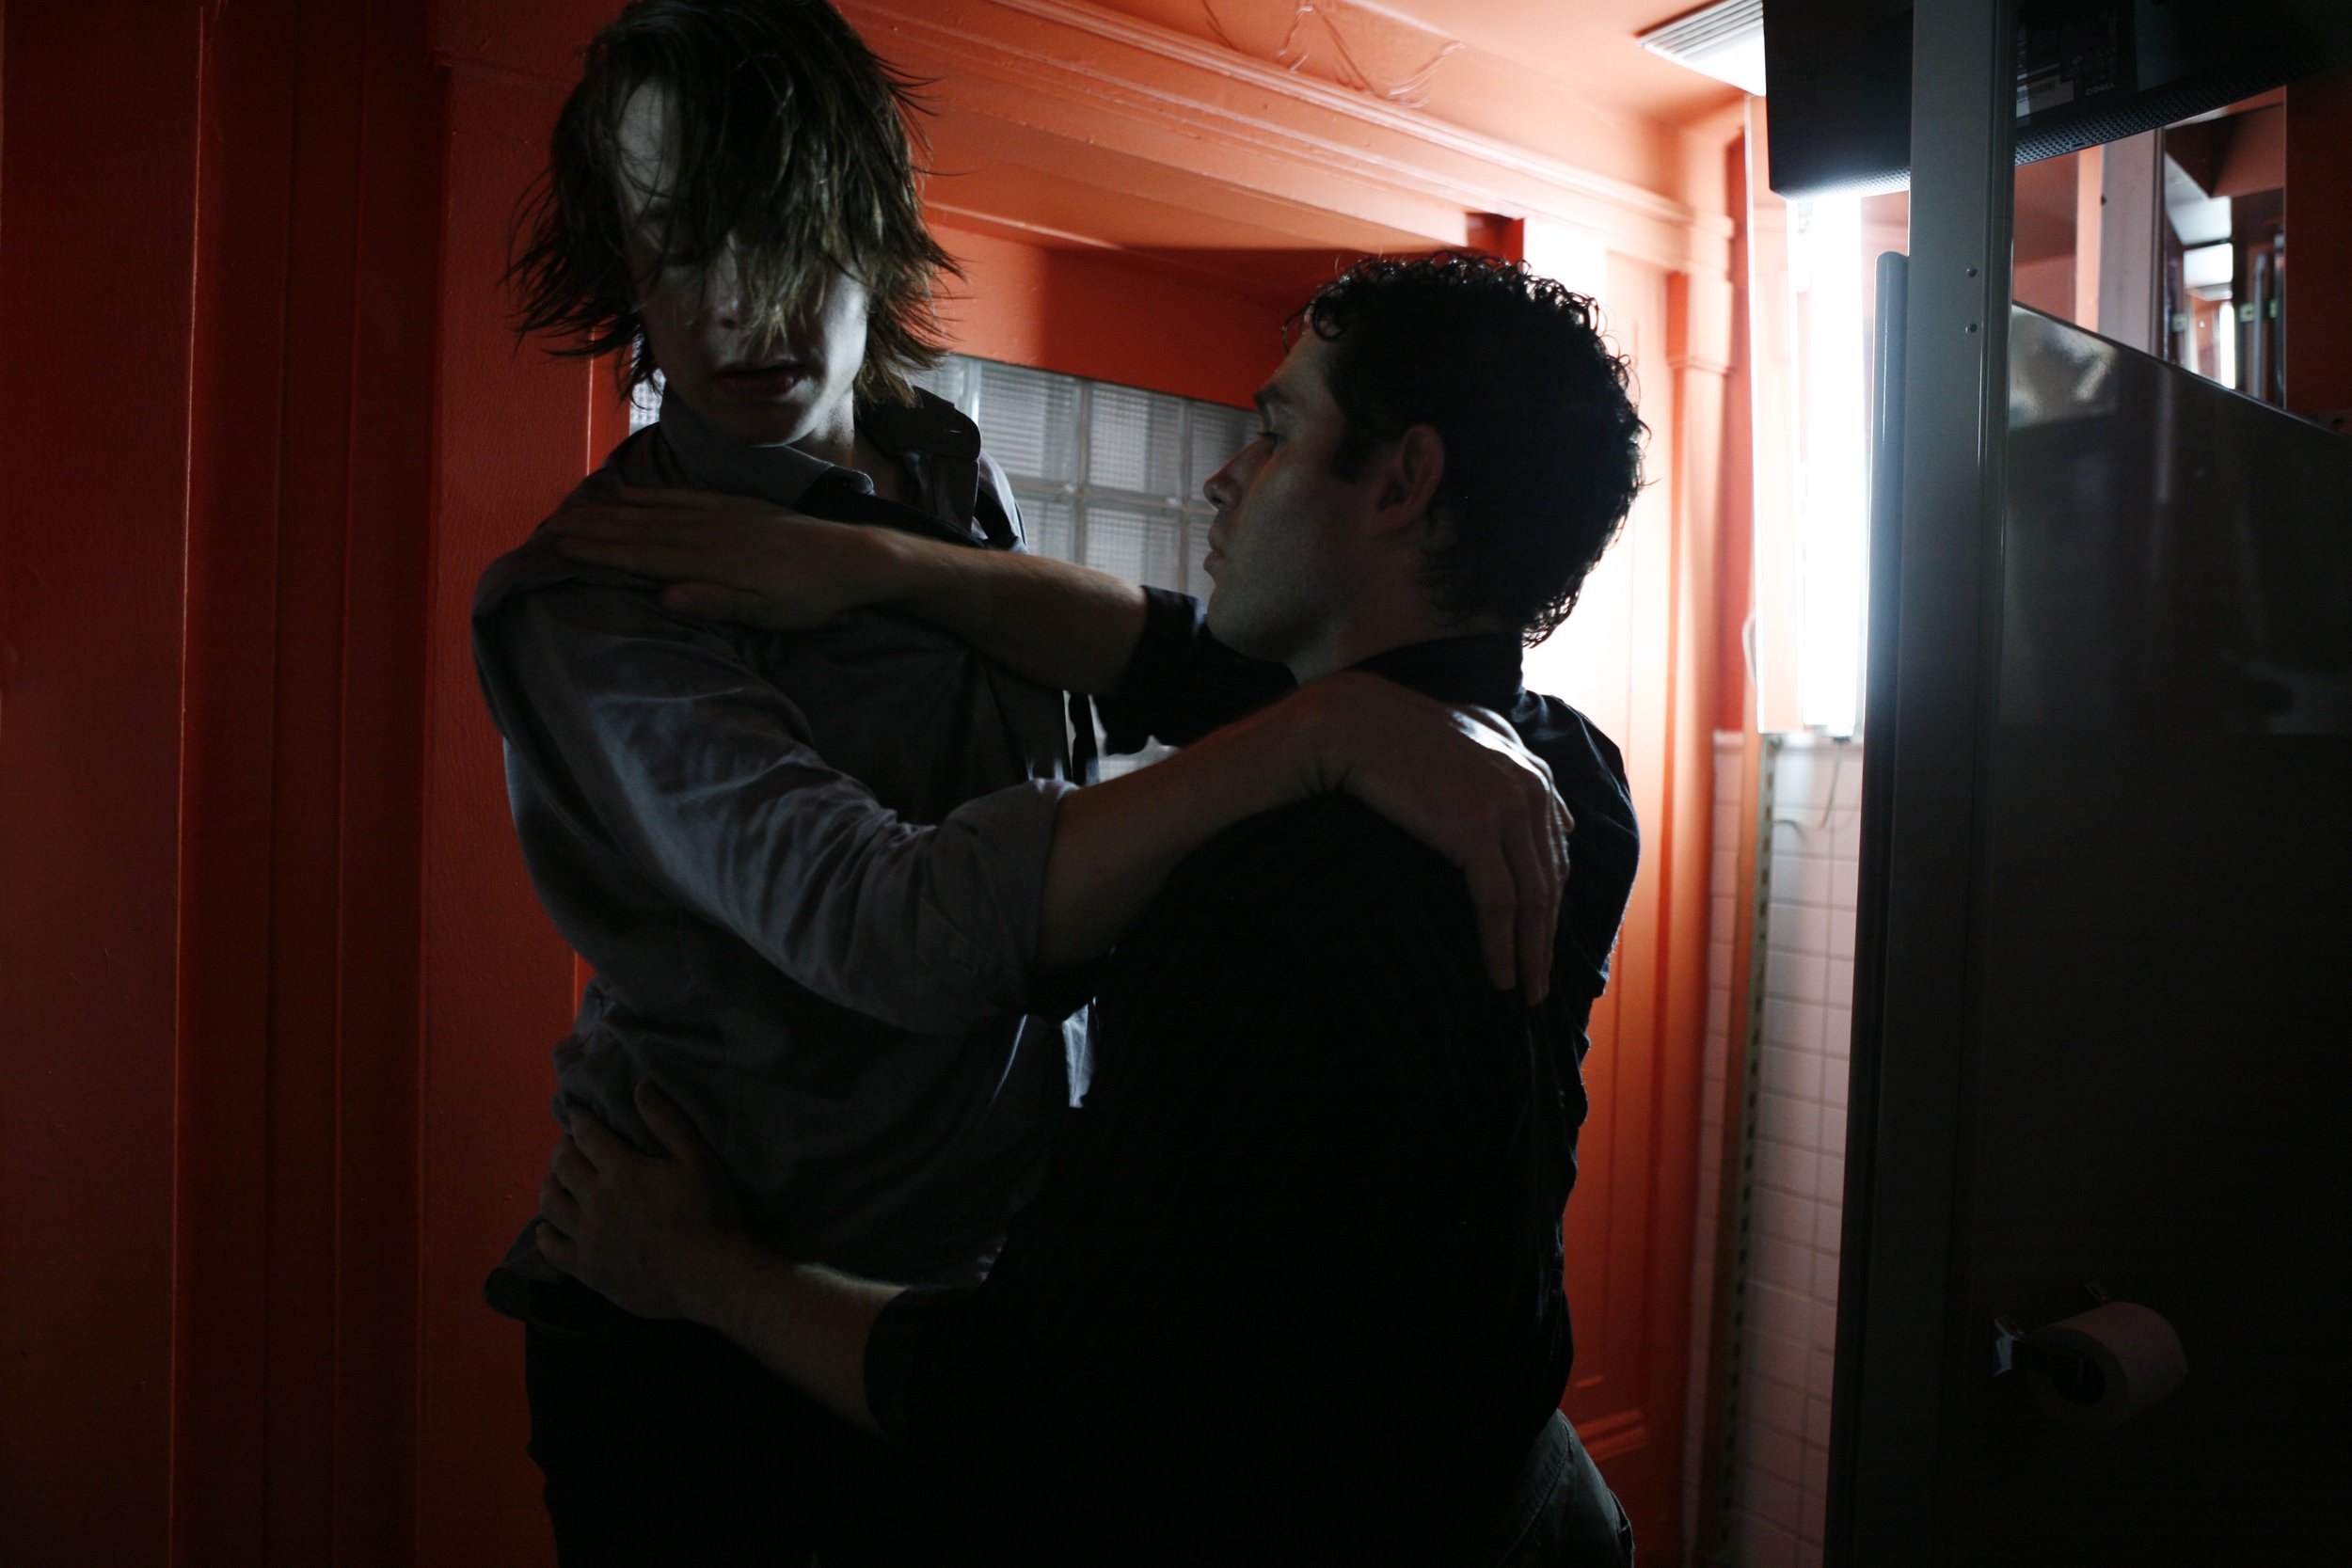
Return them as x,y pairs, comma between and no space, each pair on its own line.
1108,476
645,404
1135,441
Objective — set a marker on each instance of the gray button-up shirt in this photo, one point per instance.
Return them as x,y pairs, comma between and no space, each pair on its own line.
805,867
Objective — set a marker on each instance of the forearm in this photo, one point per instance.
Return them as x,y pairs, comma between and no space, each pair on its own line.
1056,624
807,1324
1115,844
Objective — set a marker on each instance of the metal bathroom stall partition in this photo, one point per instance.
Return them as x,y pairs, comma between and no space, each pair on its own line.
2101,1048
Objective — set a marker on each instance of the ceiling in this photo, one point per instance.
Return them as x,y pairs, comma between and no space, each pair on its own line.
1565,78
1561,79
1586,45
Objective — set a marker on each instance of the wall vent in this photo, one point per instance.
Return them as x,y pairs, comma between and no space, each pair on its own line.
1724,41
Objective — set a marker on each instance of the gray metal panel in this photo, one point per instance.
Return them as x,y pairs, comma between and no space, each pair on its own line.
1901,1345
2159,1064
2099,1029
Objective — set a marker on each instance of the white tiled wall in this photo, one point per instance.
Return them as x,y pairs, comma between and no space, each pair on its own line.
1724,872
1791,1297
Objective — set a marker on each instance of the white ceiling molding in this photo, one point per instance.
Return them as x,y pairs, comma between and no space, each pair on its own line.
1161,95
1345,44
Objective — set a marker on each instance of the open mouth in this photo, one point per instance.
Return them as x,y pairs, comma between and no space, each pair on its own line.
762,383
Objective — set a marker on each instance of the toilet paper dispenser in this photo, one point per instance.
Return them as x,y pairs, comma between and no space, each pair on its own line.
2097,1369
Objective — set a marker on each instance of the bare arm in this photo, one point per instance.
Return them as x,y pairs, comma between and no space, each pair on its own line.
659,1236
806,1323
742,560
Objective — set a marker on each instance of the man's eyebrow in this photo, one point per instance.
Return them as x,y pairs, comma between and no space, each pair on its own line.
1270,397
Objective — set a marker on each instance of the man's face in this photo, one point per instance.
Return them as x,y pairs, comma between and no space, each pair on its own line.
1283,547
761,389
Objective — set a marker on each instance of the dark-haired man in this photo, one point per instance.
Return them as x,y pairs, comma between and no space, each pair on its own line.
819,874
1291,1290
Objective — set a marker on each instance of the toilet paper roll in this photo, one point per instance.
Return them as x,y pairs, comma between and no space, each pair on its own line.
2137,1357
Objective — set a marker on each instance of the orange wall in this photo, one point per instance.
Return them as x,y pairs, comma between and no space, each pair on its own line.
1111,317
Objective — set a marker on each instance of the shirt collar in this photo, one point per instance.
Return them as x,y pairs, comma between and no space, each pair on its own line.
1481,669
779,475
925,431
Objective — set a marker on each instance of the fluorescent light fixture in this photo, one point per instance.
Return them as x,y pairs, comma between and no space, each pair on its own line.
2196,217
1724,41
1833,470
2209,265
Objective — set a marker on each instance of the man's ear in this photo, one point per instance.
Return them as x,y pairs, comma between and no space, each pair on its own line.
1412,468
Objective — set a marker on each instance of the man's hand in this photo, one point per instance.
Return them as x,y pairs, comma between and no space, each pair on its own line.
732,557
655,1235
1458,779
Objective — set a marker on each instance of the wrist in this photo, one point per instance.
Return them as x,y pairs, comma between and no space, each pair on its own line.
904,574
719,1278
1320,743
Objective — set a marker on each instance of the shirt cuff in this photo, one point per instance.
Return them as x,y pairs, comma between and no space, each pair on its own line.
894,1351
1181,682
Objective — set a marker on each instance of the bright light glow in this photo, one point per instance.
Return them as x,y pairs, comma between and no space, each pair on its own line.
1584,662
2225,344
1833,468
1575,259
2208,265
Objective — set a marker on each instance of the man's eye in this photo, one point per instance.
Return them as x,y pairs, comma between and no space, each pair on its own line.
1267,435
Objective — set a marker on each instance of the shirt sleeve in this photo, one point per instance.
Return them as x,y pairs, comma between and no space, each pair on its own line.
1181,682
655,736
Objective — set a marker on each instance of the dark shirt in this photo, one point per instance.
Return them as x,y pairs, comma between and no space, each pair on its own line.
806,866
1290,1290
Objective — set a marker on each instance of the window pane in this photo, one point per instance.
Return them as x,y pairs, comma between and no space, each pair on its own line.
954,378
1028,421
645,404
1135,441
1045,522
1138,542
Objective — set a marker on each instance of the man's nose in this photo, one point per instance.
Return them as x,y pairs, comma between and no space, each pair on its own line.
1219,487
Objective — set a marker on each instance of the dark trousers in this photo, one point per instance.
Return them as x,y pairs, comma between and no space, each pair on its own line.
1561,1513
663,1444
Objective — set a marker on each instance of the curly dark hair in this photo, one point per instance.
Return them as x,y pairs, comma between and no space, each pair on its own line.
790,137
1543,448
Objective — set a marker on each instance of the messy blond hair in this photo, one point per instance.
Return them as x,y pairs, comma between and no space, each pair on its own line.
787,136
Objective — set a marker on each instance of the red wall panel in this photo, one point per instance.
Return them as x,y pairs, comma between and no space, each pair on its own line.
99,177
512,436
218,255
2319,308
